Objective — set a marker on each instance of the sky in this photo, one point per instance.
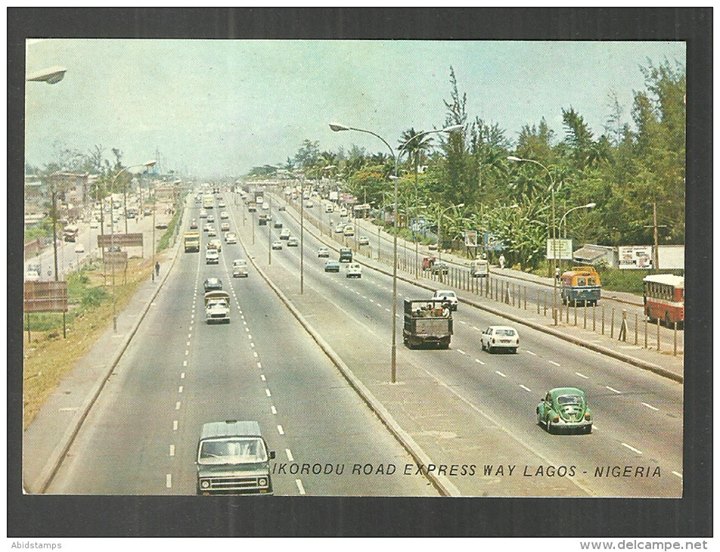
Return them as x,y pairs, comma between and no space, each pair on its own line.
217,108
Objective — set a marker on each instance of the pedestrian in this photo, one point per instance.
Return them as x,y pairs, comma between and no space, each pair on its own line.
501,260
557,273
157,268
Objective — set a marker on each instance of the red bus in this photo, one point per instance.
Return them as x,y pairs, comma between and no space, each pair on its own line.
664,298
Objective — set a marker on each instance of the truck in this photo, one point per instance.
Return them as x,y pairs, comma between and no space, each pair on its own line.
70,233
191,241
233,458
217,306
427,322
479,268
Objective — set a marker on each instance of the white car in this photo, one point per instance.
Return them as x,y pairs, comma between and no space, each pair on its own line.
239,269
32,276
349,230
79,248
94,224
339,228
231,237
447,295
353,270
224,226
224,215
323,252
203,214
500,337
212,256
363,240
293,241
285,234
277,244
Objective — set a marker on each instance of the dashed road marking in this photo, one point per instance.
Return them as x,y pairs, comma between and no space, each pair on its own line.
632,448
526,388
500,374
300,487
461,351
273,409
180,389
187,352
479,361
553,363
289,455
172,450
280,430
677,474
267,392
184,362
175,425
530,353
182,375
581,375
613,390
168,481
262,377
177,405
650,406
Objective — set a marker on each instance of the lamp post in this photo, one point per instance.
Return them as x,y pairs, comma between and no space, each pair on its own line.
564,221
147,164
441,214
554,229
336,127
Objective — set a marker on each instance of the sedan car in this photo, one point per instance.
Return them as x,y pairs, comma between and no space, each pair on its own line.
332,266
293,241
231,237
193,224
224,226
79,248
224,215
213,284
500,337
239,268
32,276
564,408
339,228
212,232
277,244
277,224
323,252
363,240
210,218
203,214
284,234
439,268
448,296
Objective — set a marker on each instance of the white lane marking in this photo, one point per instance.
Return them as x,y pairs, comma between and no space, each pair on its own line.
172,450
461,351
190,329
289,455
526,388
259,365
182,375
189,335
187,352
280,430
168,481
476,328
651,407
267,392
613,390
678,474
273,409
500,374
262,377
479,361
530,353
180,389
175,425
251,344
69,409
581,375
632,448
300,487
255,354
184,362
187,344
177,405
553,362
247,329
463,322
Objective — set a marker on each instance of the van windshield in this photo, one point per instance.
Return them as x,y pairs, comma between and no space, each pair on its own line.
232,450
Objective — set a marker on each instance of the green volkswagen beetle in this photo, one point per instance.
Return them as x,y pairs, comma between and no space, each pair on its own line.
564,408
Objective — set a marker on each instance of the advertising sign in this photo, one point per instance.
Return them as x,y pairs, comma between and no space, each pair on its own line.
121,240
45,297
635,256
492,243
471,238
561,250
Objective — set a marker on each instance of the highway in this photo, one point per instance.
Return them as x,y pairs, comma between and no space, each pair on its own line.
179,372
471,412
638,415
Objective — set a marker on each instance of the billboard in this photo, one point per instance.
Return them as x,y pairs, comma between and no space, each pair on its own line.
561,250
471,238
635,256
45,297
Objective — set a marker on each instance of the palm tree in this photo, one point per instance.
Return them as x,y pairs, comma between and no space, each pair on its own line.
416,145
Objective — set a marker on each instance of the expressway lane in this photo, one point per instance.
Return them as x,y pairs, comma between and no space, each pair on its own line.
179,372
639,415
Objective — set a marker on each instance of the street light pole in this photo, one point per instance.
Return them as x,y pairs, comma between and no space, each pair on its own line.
335,127
554,234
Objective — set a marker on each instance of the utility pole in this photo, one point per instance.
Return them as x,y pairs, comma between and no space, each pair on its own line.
655,226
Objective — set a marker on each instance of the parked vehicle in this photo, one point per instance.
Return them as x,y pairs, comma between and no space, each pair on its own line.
495,338
427,322
564,408
580,286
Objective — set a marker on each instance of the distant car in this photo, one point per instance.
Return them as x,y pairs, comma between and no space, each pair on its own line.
224,215
160,225
213,284
203,214
147,212
363,240
292,241
332,266
285,234
212,256
94,224
349,230
281,208
277,244
221,205
277,224
224,226
339,228
495,338
309,204
215,244
439,268
564,408
239,268
114,249
193,224
207,227
252,208
447,295
353,270
212,232
32,276
231,238
210,218
323,252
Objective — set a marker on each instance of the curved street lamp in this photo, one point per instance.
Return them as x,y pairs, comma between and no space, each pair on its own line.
554,229
563,221
337,127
